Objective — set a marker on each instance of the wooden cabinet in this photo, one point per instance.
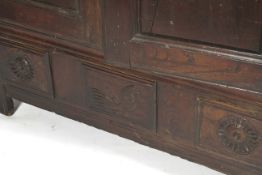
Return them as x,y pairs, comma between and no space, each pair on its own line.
180,76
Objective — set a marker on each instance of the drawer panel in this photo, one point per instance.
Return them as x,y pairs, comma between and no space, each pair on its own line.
124,98
26,69
199,64
231,130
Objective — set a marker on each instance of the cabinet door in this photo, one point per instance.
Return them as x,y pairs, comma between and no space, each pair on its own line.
228,23
71,20
214,41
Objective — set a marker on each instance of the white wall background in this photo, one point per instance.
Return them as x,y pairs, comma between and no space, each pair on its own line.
37,142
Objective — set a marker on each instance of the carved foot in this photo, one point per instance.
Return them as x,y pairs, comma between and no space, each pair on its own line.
6,103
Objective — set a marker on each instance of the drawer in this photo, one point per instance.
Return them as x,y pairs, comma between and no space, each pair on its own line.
26,69
231,130
121,97
174,60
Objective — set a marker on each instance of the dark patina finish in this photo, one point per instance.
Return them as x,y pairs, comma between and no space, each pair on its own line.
182,76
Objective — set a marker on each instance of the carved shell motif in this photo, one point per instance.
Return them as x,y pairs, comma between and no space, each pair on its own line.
22,68
120,104
238,135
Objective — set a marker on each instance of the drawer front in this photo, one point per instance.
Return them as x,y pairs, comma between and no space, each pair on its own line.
125,99
231,130
26,69
173,60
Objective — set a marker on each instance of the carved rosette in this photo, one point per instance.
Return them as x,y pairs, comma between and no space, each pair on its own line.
238,135
22,68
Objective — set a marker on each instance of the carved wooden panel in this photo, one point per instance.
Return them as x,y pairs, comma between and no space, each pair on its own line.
232,130
127,99
78,21
231,23
25,69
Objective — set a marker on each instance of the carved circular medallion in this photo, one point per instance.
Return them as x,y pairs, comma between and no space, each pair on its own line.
22,68
238,135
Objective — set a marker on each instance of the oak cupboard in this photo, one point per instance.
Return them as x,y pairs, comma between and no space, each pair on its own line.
184,77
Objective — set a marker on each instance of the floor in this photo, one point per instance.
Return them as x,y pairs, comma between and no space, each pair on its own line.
34,141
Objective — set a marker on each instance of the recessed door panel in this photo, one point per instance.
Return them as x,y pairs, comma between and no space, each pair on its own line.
229,23
71,20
